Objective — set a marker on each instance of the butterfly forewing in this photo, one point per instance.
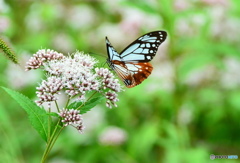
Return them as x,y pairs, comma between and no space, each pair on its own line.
131,65
144,48
112,53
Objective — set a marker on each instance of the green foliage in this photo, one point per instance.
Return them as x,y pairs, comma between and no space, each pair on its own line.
10,150
37,116
87,106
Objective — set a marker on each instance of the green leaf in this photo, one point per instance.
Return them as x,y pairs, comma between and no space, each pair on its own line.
90,104
74,105
53,114
37,116
87,106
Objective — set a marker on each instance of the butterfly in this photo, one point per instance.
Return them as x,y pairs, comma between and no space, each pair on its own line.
132,64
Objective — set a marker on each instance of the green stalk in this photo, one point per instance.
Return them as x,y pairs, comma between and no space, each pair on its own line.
49,124
55,139
57,106
67,102
51,141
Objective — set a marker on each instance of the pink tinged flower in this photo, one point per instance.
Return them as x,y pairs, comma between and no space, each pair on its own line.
72,117
112,98
216,2
108,79
48,89
41,56
110,84
4,23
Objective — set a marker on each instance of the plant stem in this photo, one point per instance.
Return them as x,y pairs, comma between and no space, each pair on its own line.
51,141
67,102
54,140
49,124
57,106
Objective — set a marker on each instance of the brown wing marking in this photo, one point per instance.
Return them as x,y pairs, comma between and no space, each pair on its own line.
143,72
132,78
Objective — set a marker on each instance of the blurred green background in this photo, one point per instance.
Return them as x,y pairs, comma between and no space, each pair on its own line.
188,109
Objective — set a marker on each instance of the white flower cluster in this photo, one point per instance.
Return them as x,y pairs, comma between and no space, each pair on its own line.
110,83
75,75
48,89
72,117
41,56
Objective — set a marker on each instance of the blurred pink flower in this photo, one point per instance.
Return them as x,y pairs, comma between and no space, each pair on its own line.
81,16
230,77
4,24
112,31
200,76
185,114
163,75
190,26
224,27
181,5
134,20
62,42
216,2
113,136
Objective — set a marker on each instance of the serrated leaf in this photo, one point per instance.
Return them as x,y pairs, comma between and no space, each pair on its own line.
90,104
74,105
87,106
37,116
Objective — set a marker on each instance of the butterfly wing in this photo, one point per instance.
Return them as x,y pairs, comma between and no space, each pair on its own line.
139,72
132,74
131,65
112,53
144,48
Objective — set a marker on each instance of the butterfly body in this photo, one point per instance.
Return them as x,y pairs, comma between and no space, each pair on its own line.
132,64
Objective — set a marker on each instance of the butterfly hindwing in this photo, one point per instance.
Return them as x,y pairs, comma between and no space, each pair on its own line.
132,64
139,72
132,74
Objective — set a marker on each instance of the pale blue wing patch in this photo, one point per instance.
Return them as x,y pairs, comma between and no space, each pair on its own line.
144,48
112,53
